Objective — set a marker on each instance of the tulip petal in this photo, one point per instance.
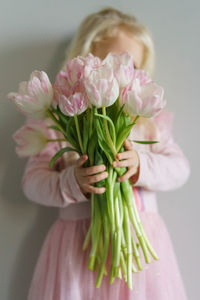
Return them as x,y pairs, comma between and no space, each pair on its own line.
34,96
30,139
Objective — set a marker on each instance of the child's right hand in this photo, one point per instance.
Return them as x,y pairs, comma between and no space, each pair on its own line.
86,176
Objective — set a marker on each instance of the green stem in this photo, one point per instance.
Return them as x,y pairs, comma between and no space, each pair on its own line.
56,140
123,265
111,212
108,133
150,248
109,196
118,104
122,141
133,213
87,238
124,246
78,133
51,116
99,251
124,250
96,231
130,201
91,121
127,232
136,118
118,232
105,252
147,242
136,254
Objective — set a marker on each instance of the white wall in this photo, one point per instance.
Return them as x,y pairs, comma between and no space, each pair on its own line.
33,35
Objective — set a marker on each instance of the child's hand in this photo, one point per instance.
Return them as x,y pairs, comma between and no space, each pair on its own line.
130,160
86,176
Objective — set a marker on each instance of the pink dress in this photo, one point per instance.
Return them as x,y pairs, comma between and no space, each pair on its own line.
61,271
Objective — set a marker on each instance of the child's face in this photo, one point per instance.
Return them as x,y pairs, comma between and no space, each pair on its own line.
123,41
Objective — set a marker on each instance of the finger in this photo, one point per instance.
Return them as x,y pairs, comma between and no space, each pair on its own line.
95,190
96,178
124,163
93,170
81,160
125,154
128,145
127,175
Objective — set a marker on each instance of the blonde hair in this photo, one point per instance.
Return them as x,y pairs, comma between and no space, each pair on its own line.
97,26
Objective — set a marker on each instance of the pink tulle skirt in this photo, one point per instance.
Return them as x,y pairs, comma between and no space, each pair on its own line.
61,272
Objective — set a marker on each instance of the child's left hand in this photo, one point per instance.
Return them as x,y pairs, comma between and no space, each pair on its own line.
130,160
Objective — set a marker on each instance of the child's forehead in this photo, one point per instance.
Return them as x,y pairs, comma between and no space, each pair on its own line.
116,30
120,42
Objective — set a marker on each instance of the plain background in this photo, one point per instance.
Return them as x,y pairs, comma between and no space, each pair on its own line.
34,35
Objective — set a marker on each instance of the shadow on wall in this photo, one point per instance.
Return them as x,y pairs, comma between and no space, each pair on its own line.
17,64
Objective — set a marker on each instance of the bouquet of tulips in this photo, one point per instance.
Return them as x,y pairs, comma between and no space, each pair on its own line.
92,104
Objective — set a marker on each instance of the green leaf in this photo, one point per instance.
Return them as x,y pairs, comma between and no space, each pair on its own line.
120,111
120,125
99,156
113,133
101,197
91,147
145,142
112,111
102,141
60,153
98,160
61,113
128,120
100,129
120,120
104,146
53,108
62,118
85,133
116,188
71,134
123,134
54,127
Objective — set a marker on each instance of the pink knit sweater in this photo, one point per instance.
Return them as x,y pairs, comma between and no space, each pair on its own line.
163,167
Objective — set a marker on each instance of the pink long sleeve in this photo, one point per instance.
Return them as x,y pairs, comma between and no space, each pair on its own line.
165,167
51,187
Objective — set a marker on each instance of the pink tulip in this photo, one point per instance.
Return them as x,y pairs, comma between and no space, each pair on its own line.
72,99
69,89
143,96
91,62
78,67
74,105
123,67
74,70
142,76
35,96
31,139
101,86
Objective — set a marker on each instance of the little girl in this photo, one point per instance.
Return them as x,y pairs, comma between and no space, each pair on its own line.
61,272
